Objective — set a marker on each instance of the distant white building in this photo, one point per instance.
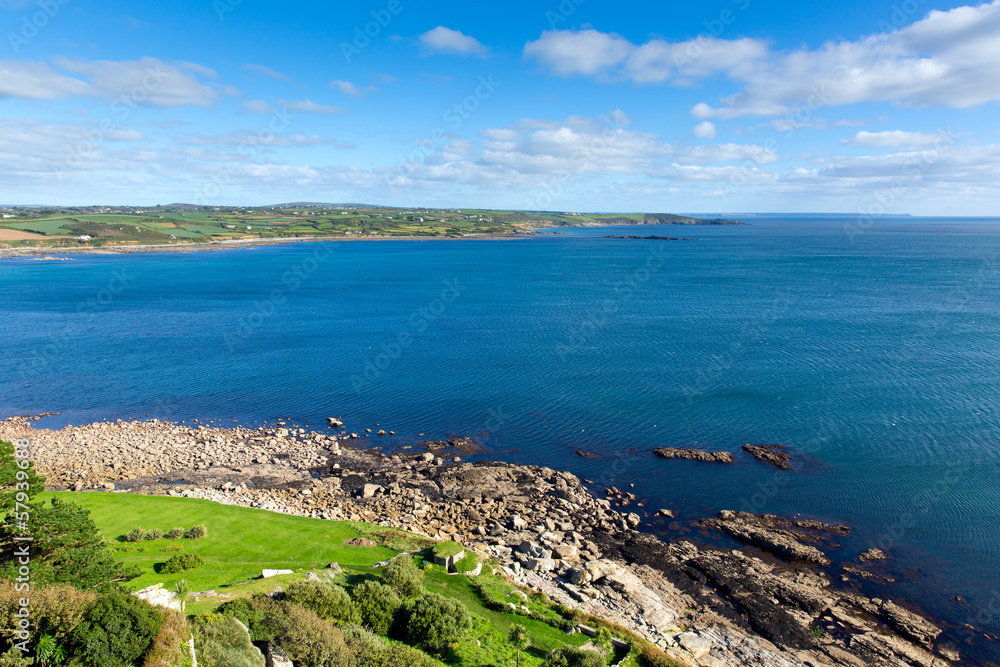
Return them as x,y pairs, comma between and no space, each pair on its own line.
8,215
84,237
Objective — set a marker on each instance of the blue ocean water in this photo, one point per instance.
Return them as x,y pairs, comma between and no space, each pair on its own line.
873,352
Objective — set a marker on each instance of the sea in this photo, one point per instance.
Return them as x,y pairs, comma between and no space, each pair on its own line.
870,348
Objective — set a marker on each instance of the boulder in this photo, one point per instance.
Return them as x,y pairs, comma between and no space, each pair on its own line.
592,572
694,644
693,455
369,490
267,574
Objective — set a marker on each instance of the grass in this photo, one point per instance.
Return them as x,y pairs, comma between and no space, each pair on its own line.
47,227
240,543
447,549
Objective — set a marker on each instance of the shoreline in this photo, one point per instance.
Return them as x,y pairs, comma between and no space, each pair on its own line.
13,253
546,528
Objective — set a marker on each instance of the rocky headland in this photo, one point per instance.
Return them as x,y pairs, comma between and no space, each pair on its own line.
769,605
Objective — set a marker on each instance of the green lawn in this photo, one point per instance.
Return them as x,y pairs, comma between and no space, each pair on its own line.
47,227
240,542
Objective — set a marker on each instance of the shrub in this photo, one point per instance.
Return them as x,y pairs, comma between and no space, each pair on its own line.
437,622
135,535
181,563
175,533
404,577
254,613
169,647
55,610
370,650
116,631
310,640
219,640
328,600
377,605
197,532
569,656
153,534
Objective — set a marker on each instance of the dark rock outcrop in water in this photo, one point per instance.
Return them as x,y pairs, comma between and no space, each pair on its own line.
693,455
775,455
782,537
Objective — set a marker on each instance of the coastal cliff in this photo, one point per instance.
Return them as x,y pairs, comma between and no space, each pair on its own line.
545,528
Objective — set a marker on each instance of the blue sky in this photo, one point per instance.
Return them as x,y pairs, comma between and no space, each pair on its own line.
726,105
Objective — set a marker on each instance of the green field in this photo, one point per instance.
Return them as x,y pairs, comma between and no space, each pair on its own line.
242,541
47,227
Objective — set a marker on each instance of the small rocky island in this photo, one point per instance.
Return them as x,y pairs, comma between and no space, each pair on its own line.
646,238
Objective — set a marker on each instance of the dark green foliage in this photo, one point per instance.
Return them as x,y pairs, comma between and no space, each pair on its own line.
67,548
15,479
328,600
436,622
569,656
116,631
254,613
180,563
404,577
154,534
197,532
175,533
309,640
370,650
377,605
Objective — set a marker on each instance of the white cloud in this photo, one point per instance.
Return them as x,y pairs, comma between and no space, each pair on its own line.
726,153
37,81
308,106
446,40
705,130
148,81
351,90
263,70
898,139
258,106
611,57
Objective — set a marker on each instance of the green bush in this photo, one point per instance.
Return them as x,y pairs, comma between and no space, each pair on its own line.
175,533
153,534
255,613
221,642
370,650
116,631
437,622
309,640
197,532
180,563
377,605
569,656
328,600
135,535
404,577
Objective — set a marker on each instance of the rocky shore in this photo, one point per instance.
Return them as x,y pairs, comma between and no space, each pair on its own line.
768,605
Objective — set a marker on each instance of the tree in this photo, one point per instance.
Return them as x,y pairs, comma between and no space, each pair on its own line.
437,622
310,640
116,631
16,476
377,605
518,638
402,574
183,591
66,548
